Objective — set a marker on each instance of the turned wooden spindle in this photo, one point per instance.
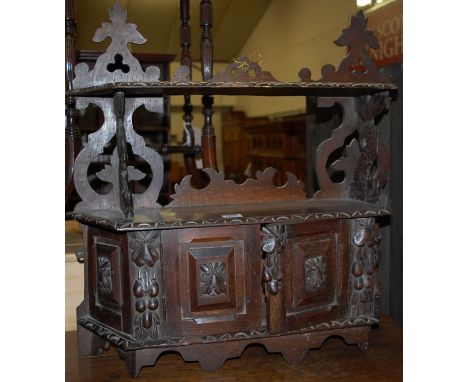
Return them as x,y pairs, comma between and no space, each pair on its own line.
186,59
206,56
206,41
185,34
72,132
208,138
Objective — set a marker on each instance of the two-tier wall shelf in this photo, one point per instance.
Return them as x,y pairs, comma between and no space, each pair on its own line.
226,265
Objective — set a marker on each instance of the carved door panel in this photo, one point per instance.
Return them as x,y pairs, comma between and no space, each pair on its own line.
315,277
106,273
214,276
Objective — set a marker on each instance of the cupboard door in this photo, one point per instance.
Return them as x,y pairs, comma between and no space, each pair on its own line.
315,273
312,263
214,276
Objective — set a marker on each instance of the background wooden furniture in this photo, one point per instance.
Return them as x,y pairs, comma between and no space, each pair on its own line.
188,277
280,144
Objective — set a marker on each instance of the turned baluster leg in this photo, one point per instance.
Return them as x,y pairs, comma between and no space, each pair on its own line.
206,54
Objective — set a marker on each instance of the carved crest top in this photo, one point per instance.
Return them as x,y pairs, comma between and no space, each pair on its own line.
117,63
358,66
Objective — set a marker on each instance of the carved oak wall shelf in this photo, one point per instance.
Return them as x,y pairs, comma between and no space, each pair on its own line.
225,265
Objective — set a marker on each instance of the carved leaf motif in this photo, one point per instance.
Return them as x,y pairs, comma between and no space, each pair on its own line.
213,279
104,274
316,272
145,247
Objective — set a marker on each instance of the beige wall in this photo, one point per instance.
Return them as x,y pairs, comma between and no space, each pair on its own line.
291,35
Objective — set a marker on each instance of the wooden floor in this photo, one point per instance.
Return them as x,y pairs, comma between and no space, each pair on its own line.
334,361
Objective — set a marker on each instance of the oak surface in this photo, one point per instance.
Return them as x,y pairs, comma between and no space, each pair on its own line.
334,361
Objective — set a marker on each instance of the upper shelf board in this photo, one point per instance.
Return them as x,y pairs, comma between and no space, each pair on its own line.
257,88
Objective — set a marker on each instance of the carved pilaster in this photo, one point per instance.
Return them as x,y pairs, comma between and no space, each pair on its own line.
145,251
364,295
273,245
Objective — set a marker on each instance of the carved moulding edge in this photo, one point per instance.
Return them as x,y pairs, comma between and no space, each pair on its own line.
120,340
292,218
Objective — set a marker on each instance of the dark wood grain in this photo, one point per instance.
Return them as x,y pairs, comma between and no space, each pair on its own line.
333,361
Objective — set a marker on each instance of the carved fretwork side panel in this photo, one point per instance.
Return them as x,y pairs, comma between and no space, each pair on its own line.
353,162
364,296
315,277
116,64
215,279
145,253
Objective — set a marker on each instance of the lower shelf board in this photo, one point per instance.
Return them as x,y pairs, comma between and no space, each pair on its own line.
116,339
333,361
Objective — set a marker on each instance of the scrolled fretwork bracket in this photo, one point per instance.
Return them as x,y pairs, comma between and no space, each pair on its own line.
273,243
362,160
364,290
116,65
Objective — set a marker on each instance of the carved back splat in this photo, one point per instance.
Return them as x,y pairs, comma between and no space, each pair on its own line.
116,64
